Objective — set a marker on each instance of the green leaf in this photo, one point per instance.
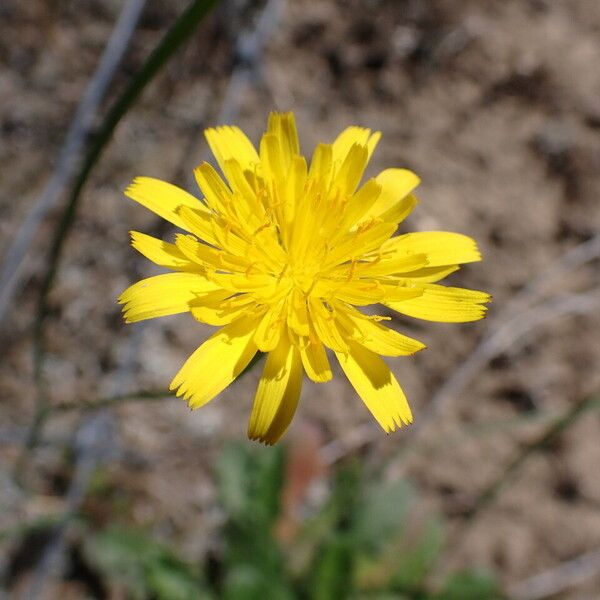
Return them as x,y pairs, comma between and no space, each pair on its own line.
143,566
249,481
269,482
120,557
246,582
233,480
384,596
333,573
469,585
383,513
173,582
334,559
417,557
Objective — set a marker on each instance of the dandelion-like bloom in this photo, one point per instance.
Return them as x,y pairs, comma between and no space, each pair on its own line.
280,254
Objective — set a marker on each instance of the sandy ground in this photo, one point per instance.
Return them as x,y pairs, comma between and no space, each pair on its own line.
494,104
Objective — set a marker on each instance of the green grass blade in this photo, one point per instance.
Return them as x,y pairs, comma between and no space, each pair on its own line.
179,32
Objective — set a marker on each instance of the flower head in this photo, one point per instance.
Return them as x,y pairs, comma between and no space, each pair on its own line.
280,254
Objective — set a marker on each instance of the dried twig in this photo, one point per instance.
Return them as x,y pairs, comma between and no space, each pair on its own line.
542,441
550,433
175,36
92,441
502,338
247,53
557,580
572,259
92,431
517,319
247,57
92,437
62,175
12,266
513,322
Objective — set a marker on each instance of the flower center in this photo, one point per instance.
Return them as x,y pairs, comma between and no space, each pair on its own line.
302,281
303,275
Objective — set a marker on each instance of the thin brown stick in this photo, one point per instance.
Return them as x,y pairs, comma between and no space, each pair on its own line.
550,433
502,338
521,315
12,265
559,579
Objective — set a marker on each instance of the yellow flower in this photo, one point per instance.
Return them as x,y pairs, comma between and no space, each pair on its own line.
280,254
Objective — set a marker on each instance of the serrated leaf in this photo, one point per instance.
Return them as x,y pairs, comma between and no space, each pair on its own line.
333,574
383,513
417,558
145,568
168,582
469,585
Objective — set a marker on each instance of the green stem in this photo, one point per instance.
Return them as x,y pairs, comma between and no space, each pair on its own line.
178,33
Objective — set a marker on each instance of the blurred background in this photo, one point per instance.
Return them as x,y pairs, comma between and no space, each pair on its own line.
110,488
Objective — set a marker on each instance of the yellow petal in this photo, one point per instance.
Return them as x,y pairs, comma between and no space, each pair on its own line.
277,394
216,309
270,329
161,253
372,143
162,295
357,206
231,142
374,336
163,198
199,223
359,292
302,228
325,326
442,248
403,289
246,204
297,318
216,193
314,360
216,363
229,241
271,158
395,201
260,284
241,181
362,292
365,239
351,170
354,135
377,386
445,304
211,230
283,126
393,264
432,274
294,187
207,257
321,163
